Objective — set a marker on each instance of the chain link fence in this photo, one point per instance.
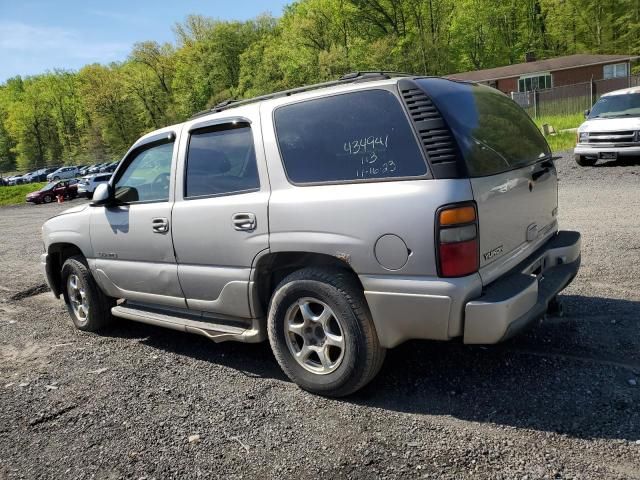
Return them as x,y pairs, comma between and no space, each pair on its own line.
570,99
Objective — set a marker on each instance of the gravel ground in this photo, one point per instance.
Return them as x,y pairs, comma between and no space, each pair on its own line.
562,401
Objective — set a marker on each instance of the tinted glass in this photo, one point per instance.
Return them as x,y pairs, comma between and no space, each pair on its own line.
221,160
494,134
147,176
624,105
354,136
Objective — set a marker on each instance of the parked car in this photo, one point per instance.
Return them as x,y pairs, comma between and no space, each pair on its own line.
39,175
109,168
88,183
611,129
50,192
96,168
15,180
62,173
85,170
337,221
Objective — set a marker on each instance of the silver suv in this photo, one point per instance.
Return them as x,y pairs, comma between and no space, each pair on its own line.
337,220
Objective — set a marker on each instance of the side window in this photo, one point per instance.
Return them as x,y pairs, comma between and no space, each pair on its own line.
221,160
353,136
147,176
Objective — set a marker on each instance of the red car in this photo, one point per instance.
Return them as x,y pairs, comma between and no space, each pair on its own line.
50,192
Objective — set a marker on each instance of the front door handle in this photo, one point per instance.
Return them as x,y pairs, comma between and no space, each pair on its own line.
160,225
244,221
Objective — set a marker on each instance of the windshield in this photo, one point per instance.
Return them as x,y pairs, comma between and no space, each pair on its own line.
48,186
611,106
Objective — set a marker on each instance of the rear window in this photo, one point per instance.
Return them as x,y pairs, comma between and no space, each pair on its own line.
494,134
349,137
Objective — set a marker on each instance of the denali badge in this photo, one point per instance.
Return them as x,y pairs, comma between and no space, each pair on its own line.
493,253
107,255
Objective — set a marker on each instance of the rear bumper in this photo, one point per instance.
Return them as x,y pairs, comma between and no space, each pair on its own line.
516,300
405,308
595,150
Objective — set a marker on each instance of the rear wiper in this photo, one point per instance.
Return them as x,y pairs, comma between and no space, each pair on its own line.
545,166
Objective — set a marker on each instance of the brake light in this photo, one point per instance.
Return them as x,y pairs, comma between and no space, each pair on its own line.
457,240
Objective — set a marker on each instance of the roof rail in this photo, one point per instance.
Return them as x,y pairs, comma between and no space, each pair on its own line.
352,77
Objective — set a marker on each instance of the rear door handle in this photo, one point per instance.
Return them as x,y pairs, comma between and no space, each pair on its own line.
160,225
244,221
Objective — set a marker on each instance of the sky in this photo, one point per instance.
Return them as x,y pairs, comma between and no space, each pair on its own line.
40,35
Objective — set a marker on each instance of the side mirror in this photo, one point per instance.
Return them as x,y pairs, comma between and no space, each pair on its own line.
103,195
586,113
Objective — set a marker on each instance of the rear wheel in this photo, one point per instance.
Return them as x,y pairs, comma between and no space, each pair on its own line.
322,334
89,308
585,161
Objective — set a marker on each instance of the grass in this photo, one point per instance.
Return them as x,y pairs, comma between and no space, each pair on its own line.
561,141
15,195
561,122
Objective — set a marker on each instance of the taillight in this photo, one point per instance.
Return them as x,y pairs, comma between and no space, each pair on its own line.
457,240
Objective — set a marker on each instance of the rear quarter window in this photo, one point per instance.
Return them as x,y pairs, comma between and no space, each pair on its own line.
358,136
493,132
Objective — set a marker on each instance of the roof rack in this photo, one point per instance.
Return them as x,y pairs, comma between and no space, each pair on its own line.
353,77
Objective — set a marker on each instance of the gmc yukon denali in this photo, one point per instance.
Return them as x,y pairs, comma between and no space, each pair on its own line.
335,220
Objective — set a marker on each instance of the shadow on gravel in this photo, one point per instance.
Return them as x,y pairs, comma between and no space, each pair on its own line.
620,162
567,375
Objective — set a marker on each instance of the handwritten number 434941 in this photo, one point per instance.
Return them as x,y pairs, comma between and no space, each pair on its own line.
366,144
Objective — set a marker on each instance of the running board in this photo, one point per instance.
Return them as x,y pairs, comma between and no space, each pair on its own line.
218,333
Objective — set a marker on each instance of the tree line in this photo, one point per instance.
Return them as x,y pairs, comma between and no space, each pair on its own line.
96,113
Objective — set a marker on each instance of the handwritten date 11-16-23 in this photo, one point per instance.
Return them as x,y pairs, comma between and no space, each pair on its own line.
366,144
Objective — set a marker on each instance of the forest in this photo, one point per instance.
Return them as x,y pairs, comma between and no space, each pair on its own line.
96,113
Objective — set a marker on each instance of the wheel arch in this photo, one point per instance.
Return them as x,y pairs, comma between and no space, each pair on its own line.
271,268
57,254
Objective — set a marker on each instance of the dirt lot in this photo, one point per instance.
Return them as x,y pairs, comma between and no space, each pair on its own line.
562,401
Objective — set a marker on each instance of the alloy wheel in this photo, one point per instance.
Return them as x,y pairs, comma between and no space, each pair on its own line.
314,336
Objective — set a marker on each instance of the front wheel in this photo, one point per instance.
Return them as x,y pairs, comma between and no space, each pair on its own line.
585,161
322,334
47,198
89,308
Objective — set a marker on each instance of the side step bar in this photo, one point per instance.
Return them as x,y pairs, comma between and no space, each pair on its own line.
218,333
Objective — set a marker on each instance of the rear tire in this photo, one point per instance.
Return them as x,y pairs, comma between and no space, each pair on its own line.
89,308
585,161
321,332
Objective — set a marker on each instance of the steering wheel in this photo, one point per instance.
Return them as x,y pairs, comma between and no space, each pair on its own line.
161,182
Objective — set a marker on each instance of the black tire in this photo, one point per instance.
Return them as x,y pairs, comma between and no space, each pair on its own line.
585,161
99,304
47,199
362,355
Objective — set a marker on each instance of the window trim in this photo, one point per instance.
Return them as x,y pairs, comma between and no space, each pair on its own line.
615,68
426,176
535,75
137,148
207,124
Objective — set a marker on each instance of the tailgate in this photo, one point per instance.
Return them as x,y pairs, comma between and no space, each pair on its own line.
516,214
